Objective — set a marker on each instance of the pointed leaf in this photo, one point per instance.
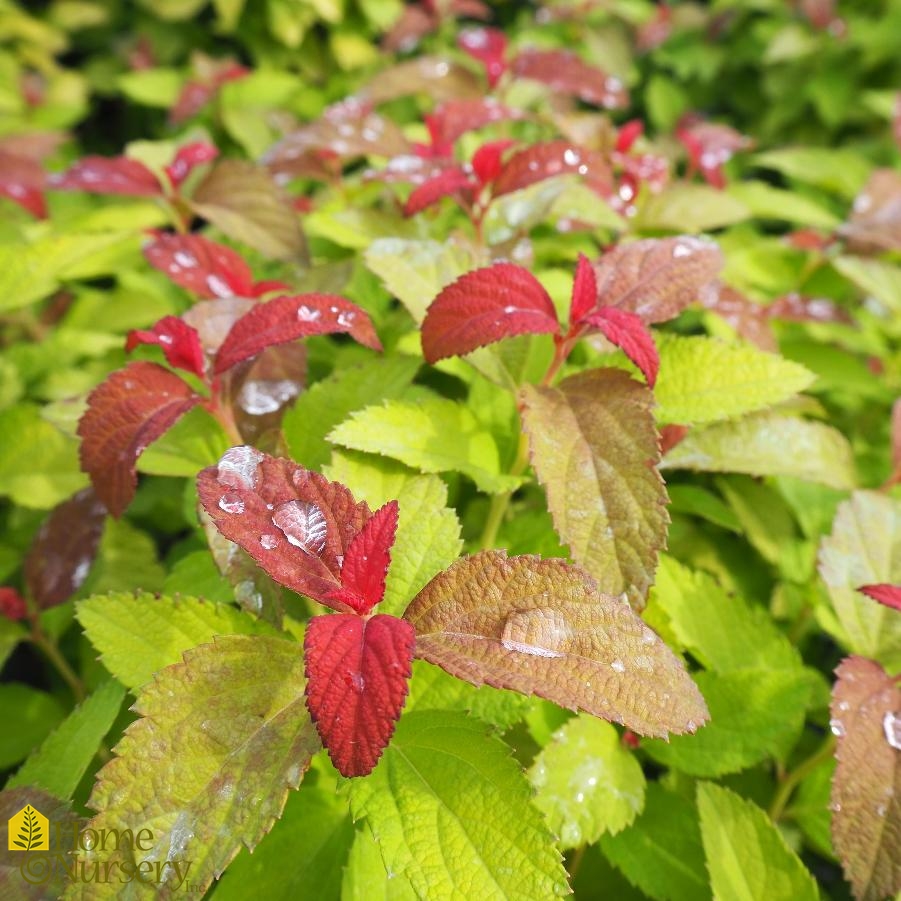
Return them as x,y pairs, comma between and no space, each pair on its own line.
179,341
128,411
484,306
657,277
207,768
489,47
567,73
866,788
486,161
187,158
450,808
549,158
436,76
889,595
295,523
875,223
627,331
22,180
594,448
445,184
109,175
454,118
201,266
542,627
367,560
289,318
585,291
357,671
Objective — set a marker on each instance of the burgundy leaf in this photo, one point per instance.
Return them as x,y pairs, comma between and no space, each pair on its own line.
710,146
22,181
445,184
486,161
198,92
567,73
489,47
628,331
434,76
109,175
585,291
367,560
797,308
889,595
454,118
187,158
64,548
658,277
749,319
296,524
550,158
414,23
358,674
656,30
12,604
484,306
179,341
288,318
128,411
201,266
628,134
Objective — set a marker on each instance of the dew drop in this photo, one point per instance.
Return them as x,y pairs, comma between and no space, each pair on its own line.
681,250
306,314
891,725
837,727
166,339
358,682
571,157
303,524
346,318
510,309
185,260
269,542
618,666
218,286
541,632
231,503
261,396
239,467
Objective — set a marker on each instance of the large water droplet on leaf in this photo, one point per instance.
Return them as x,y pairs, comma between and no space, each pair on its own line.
262,396
891,725
541,632
231,503
239,467
304,525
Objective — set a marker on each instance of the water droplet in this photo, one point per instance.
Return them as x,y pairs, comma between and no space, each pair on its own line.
358,682
239,467
261,396
306,314
184,259
891,725
269,542
510,309
618,666
219,286
541,632
231,503
837,727
165,339
844,706
346,318
681,250
571,157
304,525
80,573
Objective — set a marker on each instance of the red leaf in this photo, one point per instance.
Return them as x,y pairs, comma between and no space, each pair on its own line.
628,134
296,524
486,161
201,266
484,306
187,158
489,47
12,604
197,93
128,411
710,146
179,341
445,184
357,681
22,181
367,560
670,436
288,318
109,175
453,119
889,595
628,331
567,73
585,291
550,158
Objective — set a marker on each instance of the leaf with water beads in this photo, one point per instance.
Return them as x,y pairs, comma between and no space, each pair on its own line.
179,341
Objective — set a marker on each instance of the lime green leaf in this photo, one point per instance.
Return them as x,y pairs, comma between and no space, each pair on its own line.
754,714
689,208
693,500
222,738
864,549
767,202
594,446
875,278
356,227
152,87
195,441
59,763
433,434
768,444
661,852
125,559
703,380
365,877
196,574
34,714
450,808
139,634
327,403
747,858
587,783
842,171
723,632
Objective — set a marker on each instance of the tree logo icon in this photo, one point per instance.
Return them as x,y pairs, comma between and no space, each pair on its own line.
29,831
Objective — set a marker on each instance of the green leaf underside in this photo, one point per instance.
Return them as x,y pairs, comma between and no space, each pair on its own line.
222,738
450,809
587,783
747,857
542,627
768,444
139,634
593,446
704,380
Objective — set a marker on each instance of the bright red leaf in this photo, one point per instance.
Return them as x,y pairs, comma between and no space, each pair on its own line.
445,184
486,161
179,341
22,181
357,681
296,524
288,318
453,119
627,331
484,306
710,146
187,158
12,604
889,595
366,561
567,73
628,134
128,411
489,47
550,158
109,175
585,291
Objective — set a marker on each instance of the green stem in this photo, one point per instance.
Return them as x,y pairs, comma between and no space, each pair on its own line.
793,779
500,502
53,654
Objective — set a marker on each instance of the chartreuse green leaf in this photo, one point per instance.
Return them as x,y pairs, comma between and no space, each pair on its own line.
222,737
327,403
365,876
432,434
874,277
594,448
747,857
688,209
768,444
34,713
767,202
863,549
195,441
842,171
63,758
755,714
661,852
704,379
450,808
126,558
139,634
587,782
